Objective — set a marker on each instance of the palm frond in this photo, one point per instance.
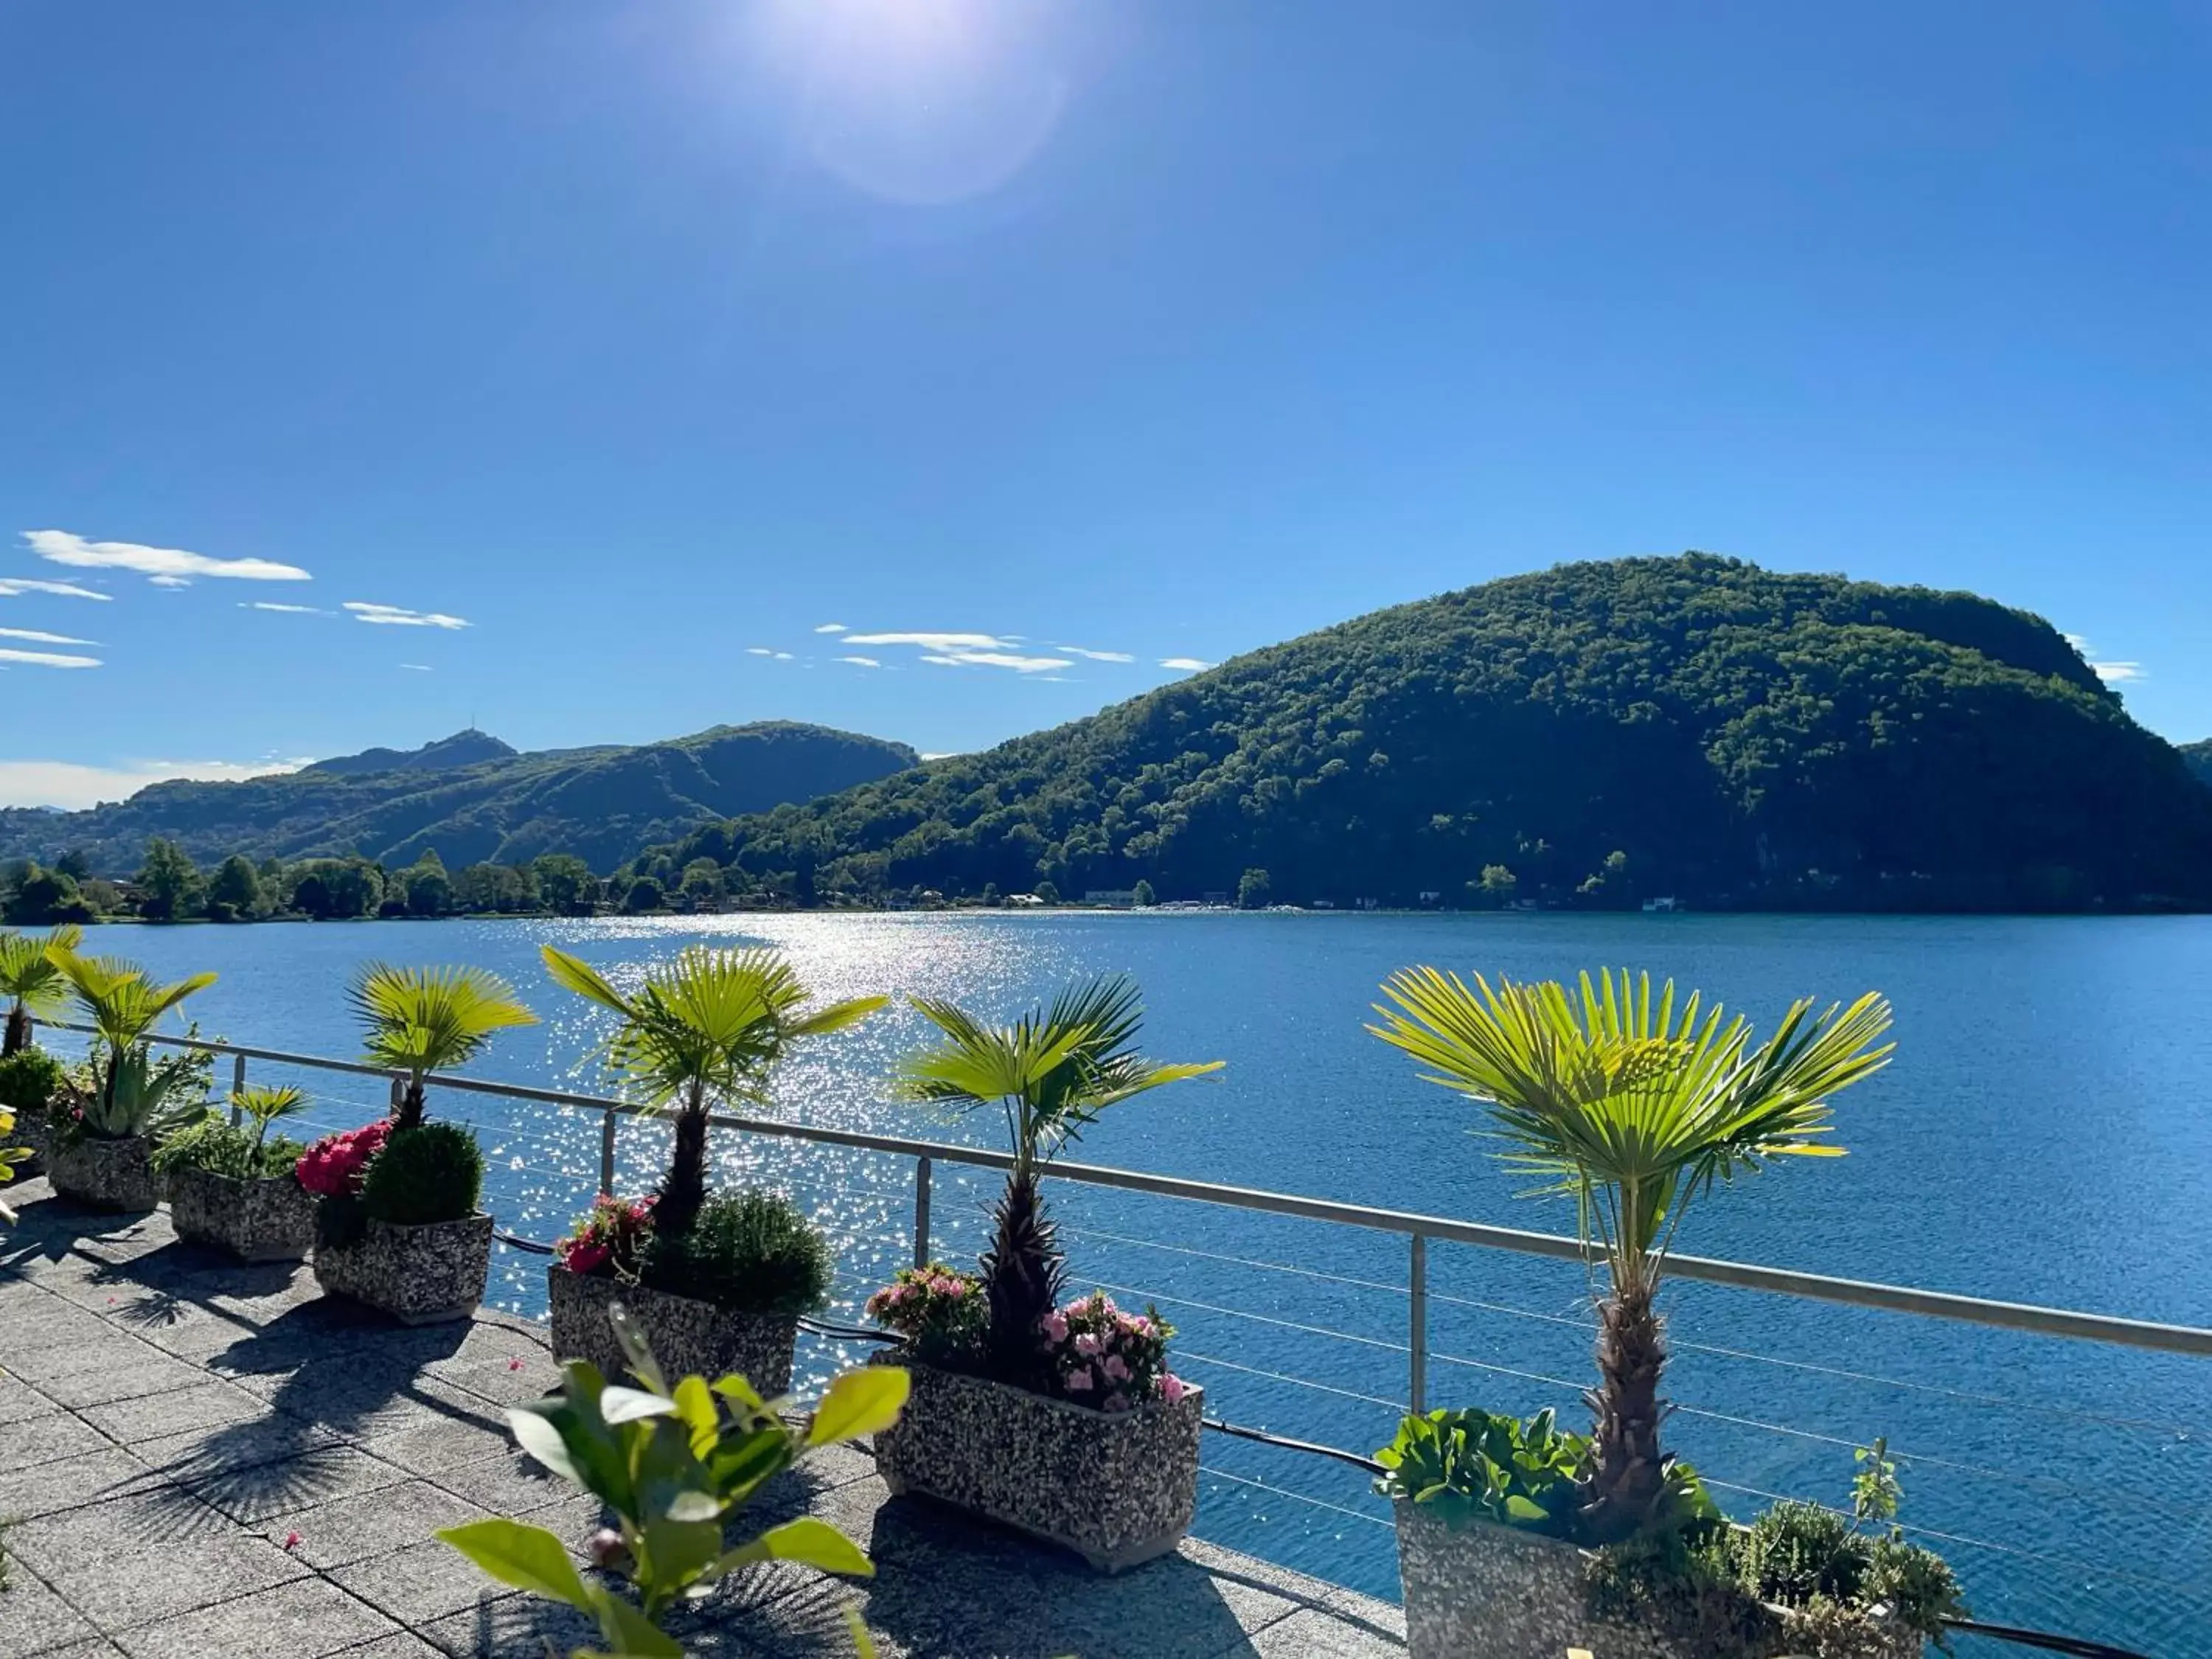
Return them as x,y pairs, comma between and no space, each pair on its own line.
420,1020
120,1001
31,976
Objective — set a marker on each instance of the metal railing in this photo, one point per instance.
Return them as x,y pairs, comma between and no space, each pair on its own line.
1419,1230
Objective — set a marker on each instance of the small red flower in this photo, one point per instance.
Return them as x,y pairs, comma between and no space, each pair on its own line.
291,1540
514,1365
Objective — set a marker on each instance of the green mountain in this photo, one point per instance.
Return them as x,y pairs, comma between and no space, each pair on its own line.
2199,757
1595,734
471,797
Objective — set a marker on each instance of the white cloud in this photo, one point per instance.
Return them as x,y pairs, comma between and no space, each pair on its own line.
2111,673
933,642
400,617
170,581
48,659
288,609
167,565
419,667
764,651
1186,665
39,638
862,662
997,659
15,586
66,784
943,754
1097,656
830,628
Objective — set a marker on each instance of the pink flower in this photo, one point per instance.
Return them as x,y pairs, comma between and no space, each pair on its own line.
514,1365
1056,1327
1078,1382
291,1540
1172,1387
1117,1368
1088,1343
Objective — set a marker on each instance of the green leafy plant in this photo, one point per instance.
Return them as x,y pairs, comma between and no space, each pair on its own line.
675,1467
705,1030
751,1251
29,1080
420,1020
223,1149
1469,1465
431,1173
131,1094
30,979
1051,1073
1634,1107
139,1095
1875,1489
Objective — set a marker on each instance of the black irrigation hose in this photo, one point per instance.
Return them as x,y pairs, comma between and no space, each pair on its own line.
2044,1639
1288,1444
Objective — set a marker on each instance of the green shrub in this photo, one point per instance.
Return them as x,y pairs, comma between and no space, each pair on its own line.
213,1145
29,1080
433,1173
748,1251
142,1096
1794,1552
1473,1464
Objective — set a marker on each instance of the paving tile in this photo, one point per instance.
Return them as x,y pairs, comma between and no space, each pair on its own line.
200,1452
417,1585
34,1619
505,1485
146,1371
1311,1634
405,1645
94,1646
147,1556
253,1493
511,1627
205,1405
31,1440
73,1482
19,1400
307,1619
353,1529
42,1365
441,1447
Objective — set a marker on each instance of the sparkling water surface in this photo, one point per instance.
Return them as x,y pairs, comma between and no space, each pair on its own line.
2043,1136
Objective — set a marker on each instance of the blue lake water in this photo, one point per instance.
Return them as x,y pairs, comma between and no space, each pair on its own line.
2043,1136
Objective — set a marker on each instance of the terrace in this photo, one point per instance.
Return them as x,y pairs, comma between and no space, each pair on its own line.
202,1458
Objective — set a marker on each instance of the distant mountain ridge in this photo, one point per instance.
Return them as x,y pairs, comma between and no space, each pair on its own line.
471,797
2199,757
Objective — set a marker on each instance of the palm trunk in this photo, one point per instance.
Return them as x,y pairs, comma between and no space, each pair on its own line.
410,1114
19,1032
683,1189
1628,1479
1022,1276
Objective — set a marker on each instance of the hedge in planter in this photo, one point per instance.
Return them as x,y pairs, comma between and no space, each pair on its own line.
30,1087
717,1284
398,1226
1064,1421
238,1188
1633,1106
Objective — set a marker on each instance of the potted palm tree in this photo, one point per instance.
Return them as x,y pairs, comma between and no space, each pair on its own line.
714,1282
1633,1106
100,1154
398,1226
30,979
1062,1420
235,1187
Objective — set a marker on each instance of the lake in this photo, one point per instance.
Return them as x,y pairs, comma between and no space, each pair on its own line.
2043,1136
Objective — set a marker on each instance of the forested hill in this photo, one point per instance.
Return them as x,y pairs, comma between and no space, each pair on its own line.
1591,734
2199,757
469,797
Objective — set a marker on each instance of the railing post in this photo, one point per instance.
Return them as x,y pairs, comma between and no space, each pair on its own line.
398,1094
921,1212
607,1151
237,1088
1417,1347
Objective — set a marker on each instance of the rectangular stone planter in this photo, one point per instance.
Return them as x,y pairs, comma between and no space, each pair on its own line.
421,1275
104,1175
271,1220
36,1131
1505,1594
688,1337
1116,1488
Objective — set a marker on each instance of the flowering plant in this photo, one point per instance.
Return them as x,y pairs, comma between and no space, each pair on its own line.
941,1312
612,1237
336,1165
1098,1355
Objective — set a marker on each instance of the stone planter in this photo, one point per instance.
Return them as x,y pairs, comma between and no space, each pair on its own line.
36,1131
688,1337
1117,1489
419,1275
104,1175
1508,1594
271,1220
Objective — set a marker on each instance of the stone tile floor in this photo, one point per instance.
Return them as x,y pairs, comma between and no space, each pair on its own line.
201,1459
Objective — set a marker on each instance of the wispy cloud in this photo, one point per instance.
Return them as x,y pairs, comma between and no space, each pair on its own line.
400,617
47,660
830,628
998,659
288,609
67,784
37,637
15,586
170,581
1097,656
419,667
2112,672
765,651
167,565
1185,665
933,642
862,662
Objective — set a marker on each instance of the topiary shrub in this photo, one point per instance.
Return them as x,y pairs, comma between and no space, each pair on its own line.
424,1175
748,1251
29,1080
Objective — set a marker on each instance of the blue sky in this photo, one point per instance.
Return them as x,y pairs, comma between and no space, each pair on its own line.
648,339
